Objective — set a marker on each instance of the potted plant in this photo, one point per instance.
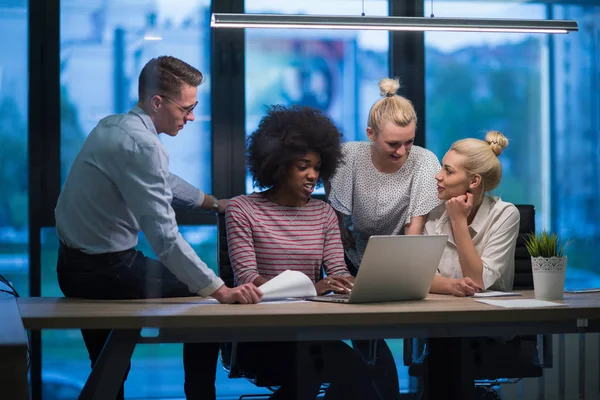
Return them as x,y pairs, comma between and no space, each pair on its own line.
548,263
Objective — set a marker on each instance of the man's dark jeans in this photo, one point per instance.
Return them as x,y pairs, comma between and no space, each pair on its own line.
130,275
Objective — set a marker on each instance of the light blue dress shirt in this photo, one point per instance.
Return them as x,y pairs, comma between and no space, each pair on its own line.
120,184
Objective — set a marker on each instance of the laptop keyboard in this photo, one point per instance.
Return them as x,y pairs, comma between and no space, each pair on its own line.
338,296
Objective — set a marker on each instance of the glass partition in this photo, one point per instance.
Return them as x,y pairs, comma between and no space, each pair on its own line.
334,71
541,91
157,369
104,46
14,89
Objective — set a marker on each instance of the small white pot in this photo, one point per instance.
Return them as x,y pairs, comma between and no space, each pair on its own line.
549,277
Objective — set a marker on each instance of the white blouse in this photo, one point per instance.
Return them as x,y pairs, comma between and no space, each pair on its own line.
494,232
380,203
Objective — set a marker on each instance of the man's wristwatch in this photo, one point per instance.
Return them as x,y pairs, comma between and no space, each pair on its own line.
215,205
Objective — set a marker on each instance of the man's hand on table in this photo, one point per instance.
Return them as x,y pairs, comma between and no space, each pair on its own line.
243,294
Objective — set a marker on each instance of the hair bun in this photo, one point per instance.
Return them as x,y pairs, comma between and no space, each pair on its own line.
388,87
497,141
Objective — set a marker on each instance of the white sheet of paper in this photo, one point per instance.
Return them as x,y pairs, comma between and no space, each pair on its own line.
288,284
521,303
495,293
284,301
207,300
210,300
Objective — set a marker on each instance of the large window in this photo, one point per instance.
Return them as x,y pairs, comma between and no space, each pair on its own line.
14,259
575,128
334,71
541,91
103,47
476,83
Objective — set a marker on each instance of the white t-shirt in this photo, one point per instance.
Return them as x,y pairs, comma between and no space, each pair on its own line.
379,203
494,232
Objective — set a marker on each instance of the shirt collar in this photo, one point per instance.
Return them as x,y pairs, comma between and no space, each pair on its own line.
443,224
137,110
482,214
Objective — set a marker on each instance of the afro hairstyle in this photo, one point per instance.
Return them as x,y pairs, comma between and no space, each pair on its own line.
286,133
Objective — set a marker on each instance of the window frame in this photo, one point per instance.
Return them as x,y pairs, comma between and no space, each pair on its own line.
227,128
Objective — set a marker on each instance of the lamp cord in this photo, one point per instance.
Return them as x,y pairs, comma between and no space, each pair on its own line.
432,9
363,8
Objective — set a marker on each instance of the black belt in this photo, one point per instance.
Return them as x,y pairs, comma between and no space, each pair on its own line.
79,252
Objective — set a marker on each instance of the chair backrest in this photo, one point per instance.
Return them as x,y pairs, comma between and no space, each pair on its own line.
523,273
226,273
228,349
225,269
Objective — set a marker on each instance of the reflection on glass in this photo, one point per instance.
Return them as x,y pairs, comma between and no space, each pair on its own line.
104,46
14,237
576,129
334,71
475,83
157,370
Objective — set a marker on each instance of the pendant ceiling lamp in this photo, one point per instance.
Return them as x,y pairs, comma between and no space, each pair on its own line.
281,21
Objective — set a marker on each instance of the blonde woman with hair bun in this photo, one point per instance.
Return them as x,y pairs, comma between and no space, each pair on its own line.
482,229
479,255
385,186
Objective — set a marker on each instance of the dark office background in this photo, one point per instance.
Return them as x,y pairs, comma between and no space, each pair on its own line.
66,64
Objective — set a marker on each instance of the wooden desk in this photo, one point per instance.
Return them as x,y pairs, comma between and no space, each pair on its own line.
13,351
184,319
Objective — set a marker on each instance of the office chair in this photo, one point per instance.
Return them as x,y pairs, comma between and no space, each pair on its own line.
229,350
517,358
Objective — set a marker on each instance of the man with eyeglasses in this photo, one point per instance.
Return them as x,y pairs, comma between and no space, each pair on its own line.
120,185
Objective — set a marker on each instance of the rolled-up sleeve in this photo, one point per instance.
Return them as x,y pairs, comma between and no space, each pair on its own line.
146,187
498,255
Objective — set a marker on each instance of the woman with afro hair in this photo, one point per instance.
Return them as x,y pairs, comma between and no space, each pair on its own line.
283,227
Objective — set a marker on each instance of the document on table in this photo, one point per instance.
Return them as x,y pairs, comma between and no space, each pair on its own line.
286,301
288,284
207,300
579,291
495,293
210,300
287,287
521,303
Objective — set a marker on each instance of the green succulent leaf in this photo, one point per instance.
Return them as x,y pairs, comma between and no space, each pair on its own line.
545,244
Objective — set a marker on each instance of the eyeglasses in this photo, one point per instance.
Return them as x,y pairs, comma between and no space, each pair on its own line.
185,110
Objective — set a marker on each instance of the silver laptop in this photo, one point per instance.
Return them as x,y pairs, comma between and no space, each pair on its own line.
396,267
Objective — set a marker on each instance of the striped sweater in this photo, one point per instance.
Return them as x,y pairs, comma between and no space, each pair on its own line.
266,239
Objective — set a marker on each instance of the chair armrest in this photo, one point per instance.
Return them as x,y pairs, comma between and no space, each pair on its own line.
372,360
408,351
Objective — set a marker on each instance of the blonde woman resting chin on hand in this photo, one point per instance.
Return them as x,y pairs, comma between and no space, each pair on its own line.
482,229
